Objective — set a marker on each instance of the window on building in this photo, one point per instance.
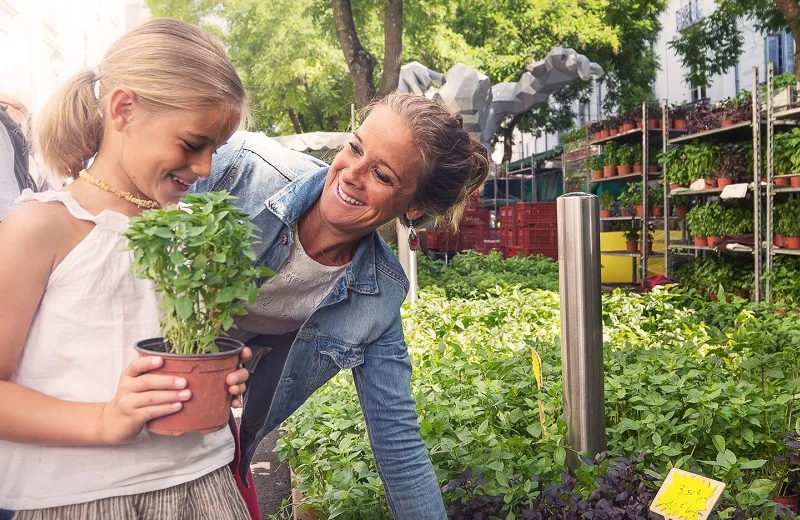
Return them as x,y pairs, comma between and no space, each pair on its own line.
698,94
779,50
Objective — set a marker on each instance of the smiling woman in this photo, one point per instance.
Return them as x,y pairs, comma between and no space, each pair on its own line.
335,301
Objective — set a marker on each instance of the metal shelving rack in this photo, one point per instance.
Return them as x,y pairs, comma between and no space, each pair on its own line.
639,260
741,131
773,118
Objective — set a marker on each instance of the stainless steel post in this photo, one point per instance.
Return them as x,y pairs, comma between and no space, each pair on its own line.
581,323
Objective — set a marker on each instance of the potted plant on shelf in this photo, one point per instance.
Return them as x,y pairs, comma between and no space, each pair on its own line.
628,121
678,114
652,160
731,166
697,222
681,205
199,257
607,201
717,217
613,123
603,133
636,158
632,239
625,205
674,161
624,159
596,164
702,118
655,199
595,128
701,162
781,214
633,195
653,118
791,225
610,165
787,469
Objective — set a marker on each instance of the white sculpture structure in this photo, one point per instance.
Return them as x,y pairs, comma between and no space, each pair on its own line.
483,106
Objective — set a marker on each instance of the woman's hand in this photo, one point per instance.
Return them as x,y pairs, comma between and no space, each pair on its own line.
141,397
236,380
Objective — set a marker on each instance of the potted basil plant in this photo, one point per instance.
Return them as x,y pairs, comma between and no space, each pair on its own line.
199,258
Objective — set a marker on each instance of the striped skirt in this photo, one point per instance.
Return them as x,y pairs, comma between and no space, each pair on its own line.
212,496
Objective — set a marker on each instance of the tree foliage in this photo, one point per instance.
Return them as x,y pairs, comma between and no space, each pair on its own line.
289,55
714,44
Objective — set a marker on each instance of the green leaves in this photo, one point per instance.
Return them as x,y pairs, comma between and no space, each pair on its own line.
200,261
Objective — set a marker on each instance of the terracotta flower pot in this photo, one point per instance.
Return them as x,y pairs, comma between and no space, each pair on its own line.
713,241
681,211
701,241
710,183
674,186
627,127
656,211
659,123
613,131
680,124
670,123
623,169
637,168
795,181
789,501
605,213
639,208
652,169
791,242
632,246
598,136
209,407
727,122
604,133
779,241
597,174
609,171
652,123
722,182
783,180
639,125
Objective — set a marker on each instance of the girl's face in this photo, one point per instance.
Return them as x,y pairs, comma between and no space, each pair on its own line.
373,179
164,153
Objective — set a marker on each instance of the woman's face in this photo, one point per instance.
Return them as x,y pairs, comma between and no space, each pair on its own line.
373,179
163,154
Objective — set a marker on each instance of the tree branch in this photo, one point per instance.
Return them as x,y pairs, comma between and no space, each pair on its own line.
296,122
359,61
508,136
393,45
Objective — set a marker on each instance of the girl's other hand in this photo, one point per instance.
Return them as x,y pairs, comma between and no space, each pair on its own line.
236,380
141,397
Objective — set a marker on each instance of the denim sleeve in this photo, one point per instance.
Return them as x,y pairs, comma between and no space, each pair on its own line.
383,384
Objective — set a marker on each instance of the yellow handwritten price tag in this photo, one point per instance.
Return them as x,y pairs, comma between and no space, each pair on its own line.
686,496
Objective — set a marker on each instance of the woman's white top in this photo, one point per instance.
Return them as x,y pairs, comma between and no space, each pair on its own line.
287,299
82,336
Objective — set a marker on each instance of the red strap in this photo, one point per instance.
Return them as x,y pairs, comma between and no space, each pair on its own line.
248,493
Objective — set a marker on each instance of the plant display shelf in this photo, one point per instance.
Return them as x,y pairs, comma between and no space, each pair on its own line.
632,177
738,132
635,136
779,117
735,132
783,251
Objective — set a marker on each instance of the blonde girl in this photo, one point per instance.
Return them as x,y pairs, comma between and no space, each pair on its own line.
75,395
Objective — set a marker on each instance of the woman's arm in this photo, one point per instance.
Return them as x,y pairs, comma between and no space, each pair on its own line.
31,240
383,384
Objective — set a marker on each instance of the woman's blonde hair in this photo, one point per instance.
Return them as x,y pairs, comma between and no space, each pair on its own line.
167,64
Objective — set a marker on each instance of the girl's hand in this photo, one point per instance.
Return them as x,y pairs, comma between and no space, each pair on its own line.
141,397
236,380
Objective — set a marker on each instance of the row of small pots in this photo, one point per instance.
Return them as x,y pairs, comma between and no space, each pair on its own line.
654,124
787,242
632,246
622,169
710,183
711,241
787,180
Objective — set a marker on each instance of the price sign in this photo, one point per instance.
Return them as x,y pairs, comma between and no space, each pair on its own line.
686,496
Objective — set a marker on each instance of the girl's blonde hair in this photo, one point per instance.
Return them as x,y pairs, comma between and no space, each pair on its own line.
168,64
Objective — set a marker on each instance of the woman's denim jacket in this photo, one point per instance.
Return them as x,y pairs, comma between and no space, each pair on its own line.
357,325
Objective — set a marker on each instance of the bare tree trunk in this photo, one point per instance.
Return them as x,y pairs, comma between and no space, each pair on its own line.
393,46
296,122
508,136
791,10
359,61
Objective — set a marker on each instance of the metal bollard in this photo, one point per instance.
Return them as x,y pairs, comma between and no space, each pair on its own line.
581,324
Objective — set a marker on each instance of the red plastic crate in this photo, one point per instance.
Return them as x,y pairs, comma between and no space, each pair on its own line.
476,218
442,240
529,213
508,237
508,217
536,237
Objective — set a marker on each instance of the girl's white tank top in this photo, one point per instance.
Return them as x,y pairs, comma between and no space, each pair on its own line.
82,336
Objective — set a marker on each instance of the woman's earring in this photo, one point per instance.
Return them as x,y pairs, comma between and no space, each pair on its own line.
413,239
